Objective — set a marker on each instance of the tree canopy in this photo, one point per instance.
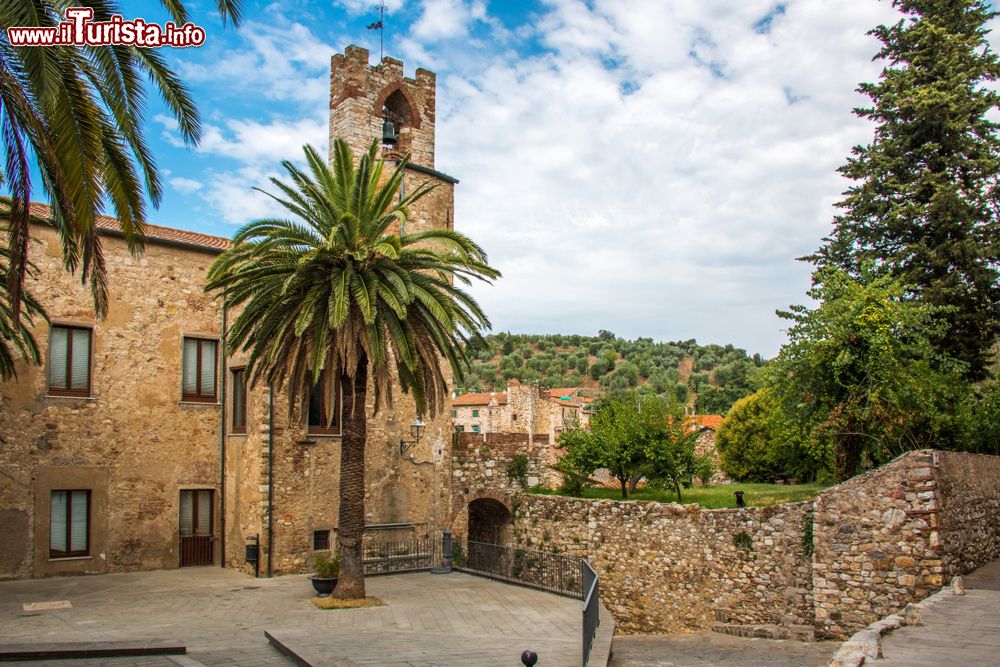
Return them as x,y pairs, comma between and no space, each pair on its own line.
925,203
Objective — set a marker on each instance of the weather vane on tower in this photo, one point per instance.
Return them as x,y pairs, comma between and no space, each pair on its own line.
380,26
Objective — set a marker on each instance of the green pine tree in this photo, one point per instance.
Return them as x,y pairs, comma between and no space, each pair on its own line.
925,201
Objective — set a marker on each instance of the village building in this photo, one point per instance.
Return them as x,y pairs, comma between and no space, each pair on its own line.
523,408
137,443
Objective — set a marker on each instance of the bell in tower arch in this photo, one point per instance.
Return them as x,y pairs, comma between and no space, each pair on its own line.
388,132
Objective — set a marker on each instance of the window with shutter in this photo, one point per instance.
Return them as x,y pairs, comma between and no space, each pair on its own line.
69,361
69,527
199,364
239,401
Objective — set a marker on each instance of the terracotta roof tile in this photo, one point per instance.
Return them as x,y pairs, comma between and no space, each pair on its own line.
478,399
154,233
711,422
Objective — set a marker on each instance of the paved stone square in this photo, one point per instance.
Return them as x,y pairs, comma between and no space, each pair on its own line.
711,649
221,616
960,630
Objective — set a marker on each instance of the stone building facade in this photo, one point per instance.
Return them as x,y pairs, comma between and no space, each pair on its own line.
154,439
526,409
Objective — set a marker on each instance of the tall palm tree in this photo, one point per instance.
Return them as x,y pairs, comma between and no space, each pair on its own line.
16,341
337,295
77,113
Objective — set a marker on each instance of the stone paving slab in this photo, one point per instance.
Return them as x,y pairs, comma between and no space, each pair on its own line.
958,630
712,649
221,616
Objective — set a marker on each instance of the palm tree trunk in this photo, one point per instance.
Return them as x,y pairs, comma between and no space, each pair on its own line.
352,482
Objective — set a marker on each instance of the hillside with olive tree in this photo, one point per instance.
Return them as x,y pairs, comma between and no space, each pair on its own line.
709,378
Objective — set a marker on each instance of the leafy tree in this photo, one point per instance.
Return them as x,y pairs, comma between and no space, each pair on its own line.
77,113
758,442
861,370
925,204
633,434
337,296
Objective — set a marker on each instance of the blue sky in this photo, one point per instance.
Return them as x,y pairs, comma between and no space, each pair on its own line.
649,168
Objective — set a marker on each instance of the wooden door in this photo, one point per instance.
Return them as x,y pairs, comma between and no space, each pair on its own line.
197,541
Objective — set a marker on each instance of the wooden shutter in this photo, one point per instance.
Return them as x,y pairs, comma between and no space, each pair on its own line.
207,386
57,522
58,349
187,513
204,513
79,521
80,363
190,366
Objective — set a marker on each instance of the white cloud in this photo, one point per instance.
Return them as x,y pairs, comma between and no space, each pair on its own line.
185,185
367,6
658,172
254,142
283,61
652,171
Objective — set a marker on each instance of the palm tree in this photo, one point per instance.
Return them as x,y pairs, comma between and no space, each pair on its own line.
16,341
77,113
337,296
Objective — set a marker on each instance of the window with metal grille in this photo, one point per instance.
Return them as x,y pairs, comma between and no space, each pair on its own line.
69,361
321,540
69,524
200,358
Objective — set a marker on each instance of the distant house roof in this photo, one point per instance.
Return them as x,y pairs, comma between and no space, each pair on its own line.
154,233
711,422
560,392
478,399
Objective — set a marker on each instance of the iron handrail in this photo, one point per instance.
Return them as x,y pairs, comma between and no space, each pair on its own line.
591,609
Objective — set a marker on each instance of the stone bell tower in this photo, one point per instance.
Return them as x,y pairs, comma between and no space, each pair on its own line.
408,480
363,97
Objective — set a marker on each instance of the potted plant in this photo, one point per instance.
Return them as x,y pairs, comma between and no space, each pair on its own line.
327,573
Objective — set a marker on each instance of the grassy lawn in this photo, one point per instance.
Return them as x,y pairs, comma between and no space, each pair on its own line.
712,497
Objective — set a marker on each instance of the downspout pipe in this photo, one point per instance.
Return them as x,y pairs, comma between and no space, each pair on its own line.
270,475
222,444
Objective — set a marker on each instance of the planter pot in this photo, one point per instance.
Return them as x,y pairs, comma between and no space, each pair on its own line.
323,585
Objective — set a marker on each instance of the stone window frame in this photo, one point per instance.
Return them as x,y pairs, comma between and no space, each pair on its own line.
71,393
200,398
69,553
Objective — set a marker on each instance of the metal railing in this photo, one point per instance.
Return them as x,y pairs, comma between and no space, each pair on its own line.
591,609
393,556
551,572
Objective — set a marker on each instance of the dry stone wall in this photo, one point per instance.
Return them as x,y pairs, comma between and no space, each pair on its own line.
668,567
861,551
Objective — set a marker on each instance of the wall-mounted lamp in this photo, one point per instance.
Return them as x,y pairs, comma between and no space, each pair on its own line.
416,430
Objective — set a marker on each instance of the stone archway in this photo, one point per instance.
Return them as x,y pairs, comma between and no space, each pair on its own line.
489,521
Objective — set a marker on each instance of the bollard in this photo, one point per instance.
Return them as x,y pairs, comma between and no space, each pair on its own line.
445,553
529,658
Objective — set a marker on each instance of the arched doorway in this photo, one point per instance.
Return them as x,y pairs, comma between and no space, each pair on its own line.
489,521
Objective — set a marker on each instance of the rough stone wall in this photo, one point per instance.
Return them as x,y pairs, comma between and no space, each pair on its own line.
479,463
968,491
669,568
876,545
133,426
